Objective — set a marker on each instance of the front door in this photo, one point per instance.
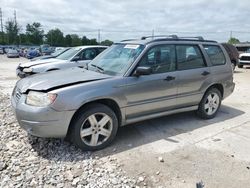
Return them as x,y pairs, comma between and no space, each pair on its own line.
154,93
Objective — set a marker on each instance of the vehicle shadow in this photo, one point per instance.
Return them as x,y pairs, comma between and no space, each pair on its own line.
133,135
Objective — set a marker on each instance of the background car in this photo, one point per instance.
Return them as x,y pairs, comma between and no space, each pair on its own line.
75,57
32,53
53,55
244,58
12,53
1,50
233,54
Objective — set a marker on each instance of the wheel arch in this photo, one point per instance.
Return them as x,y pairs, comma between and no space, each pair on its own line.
218,86
111,103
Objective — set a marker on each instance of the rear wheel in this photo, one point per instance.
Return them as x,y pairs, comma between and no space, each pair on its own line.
94,128
210,104
240,66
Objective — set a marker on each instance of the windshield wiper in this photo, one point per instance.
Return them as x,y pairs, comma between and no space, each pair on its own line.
100,69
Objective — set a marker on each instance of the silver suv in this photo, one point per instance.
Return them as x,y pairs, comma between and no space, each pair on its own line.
131,81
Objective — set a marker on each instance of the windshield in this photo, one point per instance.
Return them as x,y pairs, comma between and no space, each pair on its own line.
248,50
68,54
116,59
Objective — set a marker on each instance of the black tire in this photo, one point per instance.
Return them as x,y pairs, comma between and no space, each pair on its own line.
202,112
82,118
240,66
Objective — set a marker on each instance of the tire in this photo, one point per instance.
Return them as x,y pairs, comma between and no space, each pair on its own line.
90,122
240,66
208,109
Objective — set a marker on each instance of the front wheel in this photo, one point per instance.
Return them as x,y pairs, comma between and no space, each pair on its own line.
210,104
94,128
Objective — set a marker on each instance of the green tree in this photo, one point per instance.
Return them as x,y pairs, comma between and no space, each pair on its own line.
107,42
55,37
12,29
76,41
34,33
233,41
68,41
85,40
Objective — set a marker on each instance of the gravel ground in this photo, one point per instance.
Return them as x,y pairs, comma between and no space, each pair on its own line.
26,161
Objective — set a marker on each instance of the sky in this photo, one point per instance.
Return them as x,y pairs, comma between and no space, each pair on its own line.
118,20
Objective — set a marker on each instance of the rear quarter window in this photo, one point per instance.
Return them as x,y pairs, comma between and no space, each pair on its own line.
215,54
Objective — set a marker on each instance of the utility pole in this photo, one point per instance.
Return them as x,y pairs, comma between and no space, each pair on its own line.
99,36
231,34
1,20
15,17
153,33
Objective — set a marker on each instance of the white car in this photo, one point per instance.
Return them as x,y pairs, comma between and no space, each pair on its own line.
244,59
1,51
75,57
12,53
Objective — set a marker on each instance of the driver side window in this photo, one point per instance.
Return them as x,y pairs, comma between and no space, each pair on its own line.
87,54
160,58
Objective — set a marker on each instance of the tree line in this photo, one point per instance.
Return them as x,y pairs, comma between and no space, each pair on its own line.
35,35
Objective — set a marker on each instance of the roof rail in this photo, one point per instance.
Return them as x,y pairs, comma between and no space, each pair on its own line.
160,36
198,38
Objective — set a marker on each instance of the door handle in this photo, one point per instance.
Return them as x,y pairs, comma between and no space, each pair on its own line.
205,73
169,78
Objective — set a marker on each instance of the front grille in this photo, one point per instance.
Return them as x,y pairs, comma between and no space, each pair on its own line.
18,94
245,58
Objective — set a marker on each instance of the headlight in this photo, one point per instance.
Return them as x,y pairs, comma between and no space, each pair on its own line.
40,99
28,70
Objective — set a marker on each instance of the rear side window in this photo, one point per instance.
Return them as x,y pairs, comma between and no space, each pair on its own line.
189,57
215,54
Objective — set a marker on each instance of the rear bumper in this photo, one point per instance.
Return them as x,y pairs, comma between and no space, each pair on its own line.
41,121
228,90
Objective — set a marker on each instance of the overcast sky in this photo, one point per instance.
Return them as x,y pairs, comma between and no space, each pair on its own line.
119,20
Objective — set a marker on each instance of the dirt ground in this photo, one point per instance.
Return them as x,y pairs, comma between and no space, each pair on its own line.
180,150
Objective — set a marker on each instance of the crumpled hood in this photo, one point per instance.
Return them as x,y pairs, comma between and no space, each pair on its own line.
244,54
40,62
56,79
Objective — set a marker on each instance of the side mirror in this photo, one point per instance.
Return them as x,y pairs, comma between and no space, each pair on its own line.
76,58
143,71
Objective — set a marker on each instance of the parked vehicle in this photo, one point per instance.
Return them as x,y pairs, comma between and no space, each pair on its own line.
244,59
53,55
33,53
12,53
77,56
1,50
131,81
233,54
45,49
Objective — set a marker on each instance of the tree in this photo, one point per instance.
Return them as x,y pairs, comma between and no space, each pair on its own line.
76,41
12,29
233,40
68,41
34,33
85,40
107,42
55,37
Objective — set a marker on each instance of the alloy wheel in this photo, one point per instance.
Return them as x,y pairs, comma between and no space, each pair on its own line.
96,129
212,103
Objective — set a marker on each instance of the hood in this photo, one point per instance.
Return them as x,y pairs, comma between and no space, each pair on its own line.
40,62
244,54
43,57
61,78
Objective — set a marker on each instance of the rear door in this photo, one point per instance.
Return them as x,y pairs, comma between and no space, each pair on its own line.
193,72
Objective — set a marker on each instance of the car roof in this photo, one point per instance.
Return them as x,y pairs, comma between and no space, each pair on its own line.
90,46
161,38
